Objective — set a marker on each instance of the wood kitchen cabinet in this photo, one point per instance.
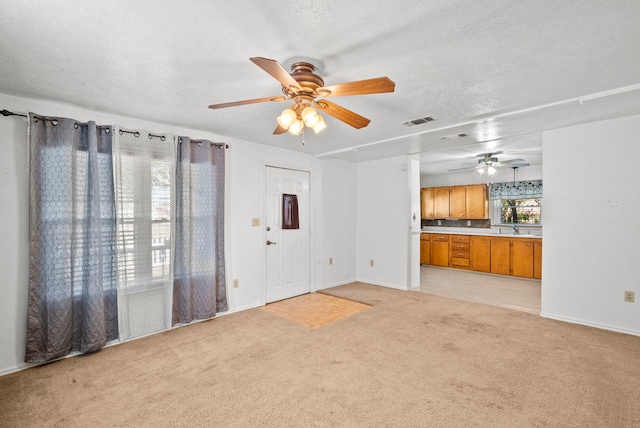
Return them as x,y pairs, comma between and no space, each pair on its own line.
477,201
425,249
500,255
459,251
480,253
426,203
439,249
503,255
457,202
441,202
537,259
522,257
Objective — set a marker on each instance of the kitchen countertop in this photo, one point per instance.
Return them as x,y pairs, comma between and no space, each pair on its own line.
479,232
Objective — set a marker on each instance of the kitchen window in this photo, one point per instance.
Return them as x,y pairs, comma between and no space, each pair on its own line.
518,211
516,202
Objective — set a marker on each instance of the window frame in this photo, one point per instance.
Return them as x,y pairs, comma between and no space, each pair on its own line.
498,206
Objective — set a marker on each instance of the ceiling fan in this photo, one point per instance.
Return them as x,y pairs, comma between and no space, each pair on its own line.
306,89
488,163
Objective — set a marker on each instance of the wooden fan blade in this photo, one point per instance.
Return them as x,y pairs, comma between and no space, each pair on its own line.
254,101
377,85
276,71
341,113
279,130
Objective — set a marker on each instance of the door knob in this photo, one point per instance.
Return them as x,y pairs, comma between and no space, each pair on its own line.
270,242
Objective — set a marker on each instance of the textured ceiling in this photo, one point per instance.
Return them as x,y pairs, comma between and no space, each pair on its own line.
500,71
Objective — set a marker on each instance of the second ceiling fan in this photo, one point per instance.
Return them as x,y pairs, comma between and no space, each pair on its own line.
488,163
307,90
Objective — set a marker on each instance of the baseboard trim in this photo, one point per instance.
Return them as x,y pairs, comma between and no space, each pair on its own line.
382,284
335,284
590,324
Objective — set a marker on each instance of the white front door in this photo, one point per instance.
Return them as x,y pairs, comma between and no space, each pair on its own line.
287,250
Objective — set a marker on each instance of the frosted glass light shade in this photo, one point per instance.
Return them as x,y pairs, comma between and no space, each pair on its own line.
309,116
286,118
296,127
480,171
320,125
491,170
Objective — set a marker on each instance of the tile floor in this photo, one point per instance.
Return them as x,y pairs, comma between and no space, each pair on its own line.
315,309
497,290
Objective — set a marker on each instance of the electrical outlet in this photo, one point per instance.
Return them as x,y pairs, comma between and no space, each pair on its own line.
468,222
439,222
330,260
371,262
235,283
629,296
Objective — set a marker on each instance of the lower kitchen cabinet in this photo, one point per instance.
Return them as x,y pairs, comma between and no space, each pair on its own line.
500,255
522,258
537,259
439,250
460,251
425,249
480,253
500,249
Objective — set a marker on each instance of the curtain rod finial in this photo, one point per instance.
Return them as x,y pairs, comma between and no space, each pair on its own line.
6,113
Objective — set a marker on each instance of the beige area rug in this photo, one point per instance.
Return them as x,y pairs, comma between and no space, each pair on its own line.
315,309
410,360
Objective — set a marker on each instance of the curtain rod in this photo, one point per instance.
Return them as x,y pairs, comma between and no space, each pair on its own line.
10,113
7,113
53,120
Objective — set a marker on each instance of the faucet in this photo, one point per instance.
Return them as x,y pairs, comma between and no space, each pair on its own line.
516,230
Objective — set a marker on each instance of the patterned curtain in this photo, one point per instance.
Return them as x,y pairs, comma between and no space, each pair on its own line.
516,190
199,287
72,284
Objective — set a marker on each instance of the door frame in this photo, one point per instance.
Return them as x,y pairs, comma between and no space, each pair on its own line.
263,289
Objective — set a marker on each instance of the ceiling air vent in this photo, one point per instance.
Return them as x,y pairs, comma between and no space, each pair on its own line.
419,121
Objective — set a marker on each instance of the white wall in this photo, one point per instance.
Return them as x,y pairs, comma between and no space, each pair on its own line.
533,172
333,210
383,222
334,222
590,246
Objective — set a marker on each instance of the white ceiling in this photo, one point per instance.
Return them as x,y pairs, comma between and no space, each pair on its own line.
497,70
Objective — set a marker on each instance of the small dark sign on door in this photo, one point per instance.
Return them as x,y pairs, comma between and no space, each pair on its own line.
290,218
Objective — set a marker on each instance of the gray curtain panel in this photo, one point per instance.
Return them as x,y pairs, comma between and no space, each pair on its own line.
199,287
72,304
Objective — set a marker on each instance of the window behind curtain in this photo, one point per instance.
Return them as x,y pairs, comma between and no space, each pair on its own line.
145,202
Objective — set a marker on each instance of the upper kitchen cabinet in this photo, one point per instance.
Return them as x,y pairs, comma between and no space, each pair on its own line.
441,202
426,202
477,201
459,202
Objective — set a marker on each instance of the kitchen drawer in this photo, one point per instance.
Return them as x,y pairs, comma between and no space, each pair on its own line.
440,238
459,262
425,237
460,238
460,254
460,246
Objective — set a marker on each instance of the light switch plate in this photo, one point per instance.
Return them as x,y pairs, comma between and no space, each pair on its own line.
255,221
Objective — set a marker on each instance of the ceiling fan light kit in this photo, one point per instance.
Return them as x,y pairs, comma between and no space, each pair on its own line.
305,89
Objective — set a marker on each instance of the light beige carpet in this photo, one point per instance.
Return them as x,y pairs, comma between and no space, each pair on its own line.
411,360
